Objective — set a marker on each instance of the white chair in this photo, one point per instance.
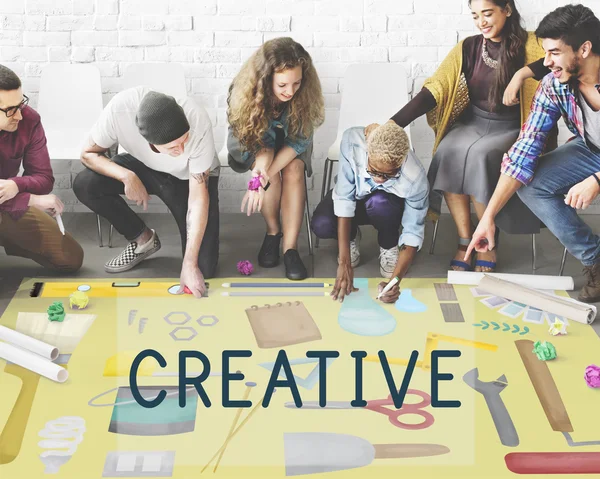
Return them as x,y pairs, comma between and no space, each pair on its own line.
364,101
167,78
223,154
70,102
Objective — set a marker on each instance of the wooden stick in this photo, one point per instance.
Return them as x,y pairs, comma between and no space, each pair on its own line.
254,409
249,387
545,387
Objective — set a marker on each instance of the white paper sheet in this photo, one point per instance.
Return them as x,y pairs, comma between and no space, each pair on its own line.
567,307
471,278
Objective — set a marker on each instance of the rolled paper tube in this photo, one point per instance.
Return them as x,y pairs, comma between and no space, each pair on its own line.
592,376
33,362
471,278
560,306
23,341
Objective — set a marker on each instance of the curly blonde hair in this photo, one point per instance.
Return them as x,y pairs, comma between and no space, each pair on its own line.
251,102
388,144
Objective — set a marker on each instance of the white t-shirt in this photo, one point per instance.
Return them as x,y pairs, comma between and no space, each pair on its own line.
117,125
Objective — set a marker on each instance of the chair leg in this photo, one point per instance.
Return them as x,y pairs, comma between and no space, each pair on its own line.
562,263
307,215
435,231
99,231
323,186
110,235
534,252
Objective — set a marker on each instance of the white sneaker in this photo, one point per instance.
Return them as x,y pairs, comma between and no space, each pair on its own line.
355,250
387,261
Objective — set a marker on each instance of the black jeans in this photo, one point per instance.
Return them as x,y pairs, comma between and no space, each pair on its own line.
101,194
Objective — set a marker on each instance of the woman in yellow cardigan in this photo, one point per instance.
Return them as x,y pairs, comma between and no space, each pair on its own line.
470,104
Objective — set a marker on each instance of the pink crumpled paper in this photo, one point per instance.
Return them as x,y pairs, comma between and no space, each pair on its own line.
592,376
245,267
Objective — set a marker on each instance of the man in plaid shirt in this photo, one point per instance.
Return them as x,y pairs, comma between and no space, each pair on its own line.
555,185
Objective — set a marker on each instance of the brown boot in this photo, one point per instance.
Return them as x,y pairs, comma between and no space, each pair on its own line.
590,293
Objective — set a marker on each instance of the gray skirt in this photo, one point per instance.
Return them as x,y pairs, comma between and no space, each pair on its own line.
468,160
236,161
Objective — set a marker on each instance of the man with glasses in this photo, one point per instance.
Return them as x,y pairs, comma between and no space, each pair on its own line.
168,152
380,182
27,228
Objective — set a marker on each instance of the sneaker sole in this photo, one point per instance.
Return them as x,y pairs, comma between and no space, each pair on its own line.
133,264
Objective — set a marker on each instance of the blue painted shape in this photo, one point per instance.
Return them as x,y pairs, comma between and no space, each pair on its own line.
309,381
407,304
360,314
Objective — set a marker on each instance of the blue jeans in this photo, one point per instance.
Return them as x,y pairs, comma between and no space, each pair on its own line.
556,173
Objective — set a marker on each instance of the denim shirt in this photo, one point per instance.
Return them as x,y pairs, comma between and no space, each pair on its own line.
246,157
353,183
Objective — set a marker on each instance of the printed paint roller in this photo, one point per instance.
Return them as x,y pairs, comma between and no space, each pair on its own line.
314,453
63,335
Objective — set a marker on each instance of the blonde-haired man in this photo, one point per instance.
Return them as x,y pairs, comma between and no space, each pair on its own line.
380,182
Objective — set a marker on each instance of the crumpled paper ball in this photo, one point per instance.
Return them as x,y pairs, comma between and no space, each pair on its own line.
56,312
592,376
245,268
558,328
254,184
78,300
544,350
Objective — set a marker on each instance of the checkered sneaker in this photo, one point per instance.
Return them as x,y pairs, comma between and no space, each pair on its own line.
132,255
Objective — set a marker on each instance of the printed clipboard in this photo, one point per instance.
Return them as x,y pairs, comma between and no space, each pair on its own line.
282,324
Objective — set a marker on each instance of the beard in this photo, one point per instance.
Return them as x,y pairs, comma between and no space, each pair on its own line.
574,68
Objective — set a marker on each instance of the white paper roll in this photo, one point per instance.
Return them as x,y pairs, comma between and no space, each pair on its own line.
23,341
472,278
567,307
33,362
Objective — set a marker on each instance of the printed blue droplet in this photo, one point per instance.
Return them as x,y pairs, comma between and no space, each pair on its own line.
407,304
360,314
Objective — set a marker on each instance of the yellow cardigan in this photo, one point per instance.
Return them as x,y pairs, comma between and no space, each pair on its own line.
449,88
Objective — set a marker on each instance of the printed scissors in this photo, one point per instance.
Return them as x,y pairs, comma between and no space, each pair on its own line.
381,406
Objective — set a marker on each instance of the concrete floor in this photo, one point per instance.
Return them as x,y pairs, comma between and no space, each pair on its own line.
241,238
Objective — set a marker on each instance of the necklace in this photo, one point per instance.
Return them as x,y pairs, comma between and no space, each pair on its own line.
486,57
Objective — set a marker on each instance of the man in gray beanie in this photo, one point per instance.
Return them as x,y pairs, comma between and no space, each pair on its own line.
170,153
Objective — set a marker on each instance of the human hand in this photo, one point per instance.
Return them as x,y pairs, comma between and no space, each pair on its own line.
8,190
344,282
192,278
483,238
582,194
511,94
49,203
390,296
135,190
254,198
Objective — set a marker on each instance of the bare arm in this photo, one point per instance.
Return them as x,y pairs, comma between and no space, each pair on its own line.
283,158
197,217
93,157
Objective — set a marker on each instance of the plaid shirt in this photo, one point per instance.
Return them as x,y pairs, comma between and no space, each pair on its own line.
551,101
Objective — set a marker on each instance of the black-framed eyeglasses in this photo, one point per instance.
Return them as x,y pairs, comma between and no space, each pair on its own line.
11,111
384,176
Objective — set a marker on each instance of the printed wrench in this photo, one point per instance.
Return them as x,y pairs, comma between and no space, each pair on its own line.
491,393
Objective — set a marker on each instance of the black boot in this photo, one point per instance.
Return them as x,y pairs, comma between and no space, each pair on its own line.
268,256
294,267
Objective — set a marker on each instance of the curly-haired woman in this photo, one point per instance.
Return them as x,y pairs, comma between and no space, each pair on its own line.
275,104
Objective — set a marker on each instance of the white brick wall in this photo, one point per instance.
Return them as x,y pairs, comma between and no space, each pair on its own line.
212,37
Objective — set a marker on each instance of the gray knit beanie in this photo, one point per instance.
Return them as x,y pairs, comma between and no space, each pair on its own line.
160,119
